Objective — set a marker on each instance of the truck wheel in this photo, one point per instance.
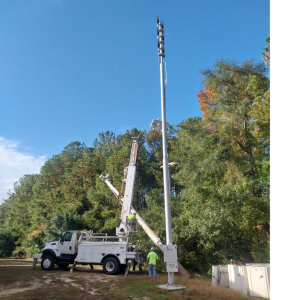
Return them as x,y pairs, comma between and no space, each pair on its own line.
47,263
111,266
63,266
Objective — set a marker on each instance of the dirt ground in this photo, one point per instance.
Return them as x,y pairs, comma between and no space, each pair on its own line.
19,281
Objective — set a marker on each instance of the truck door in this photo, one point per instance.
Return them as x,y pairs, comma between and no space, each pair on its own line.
65,243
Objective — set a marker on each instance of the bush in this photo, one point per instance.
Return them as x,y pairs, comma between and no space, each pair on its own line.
7,245
19,252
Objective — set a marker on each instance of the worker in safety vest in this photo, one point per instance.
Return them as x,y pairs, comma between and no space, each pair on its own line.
152,258
36,250
131,218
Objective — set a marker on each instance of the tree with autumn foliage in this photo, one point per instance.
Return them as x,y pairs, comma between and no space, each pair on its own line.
224,167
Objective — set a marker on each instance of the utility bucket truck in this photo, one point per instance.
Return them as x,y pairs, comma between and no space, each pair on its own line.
84,247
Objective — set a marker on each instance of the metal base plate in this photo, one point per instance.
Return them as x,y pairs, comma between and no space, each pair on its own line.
171,287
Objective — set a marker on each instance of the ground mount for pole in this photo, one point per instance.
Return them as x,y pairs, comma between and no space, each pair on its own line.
171,287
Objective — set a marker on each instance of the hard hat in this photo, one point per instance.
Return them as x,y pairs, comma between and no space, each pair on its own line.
152,248
36,245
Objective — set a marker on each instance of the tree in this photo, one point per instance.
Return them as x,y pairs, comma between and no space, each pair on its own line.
266,53
7,245
63,220
223,166
17,216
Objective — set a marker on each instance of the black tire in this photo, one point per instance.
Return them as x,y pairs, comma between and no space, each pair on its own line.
47,263
63,266
111,266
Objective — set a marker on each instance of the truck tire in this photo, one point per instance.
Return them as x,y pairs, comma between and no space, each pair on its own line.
63,266
111,266
47,263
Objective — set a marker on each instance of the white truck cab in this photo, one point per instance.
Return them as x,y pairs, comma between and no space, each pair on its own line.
62,252
68,243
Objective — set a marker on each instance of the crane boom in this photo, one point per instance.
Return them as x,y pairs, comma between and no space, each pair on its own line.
112,188
123,230
129,182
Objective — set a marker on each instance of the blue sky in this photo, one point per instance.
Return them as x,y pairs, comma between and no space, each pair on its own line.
70,69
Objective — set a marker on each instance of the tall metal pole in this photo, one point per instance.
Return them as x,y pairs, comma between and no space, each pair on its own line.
161,55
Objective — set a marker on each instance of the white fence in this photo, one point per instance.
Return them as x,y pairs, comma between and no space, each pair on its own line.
250,279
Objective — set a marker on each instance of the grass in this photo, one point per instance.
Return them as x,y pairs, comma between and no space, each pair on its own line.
195,288
19,281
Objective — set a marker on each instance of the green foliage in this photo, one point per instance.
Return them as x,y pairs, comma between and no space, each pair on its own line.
266,53
224,167
19,251
7,245
61,221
